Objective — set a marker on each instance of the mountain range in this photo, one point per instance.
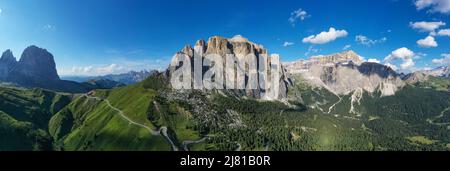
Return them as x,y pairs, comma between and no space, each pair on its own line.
332,102
443,71
128,78
346,72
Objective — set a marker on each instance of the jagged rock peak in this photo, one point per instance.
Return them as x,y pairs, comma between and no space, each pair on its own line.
415,77
7,57
237,45
200,42
188,50
218,45
38,62
35,54
238,38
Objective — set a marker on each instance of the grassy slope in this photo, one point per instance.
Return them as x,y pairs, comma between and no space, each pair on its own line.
90,124
24,116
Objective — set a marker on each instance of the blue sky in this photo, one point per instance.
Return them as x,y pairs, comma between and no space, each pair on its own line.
96,37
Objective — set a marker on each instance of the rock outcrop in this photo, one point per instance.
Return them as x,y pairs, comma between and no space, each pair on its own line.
347,72
7,62
327,60
415,77
344,57
36,68
37,63
242,48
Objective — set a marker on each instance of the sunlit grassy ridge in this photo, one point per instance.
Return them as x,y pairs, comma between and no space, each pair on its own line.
24,116
90,124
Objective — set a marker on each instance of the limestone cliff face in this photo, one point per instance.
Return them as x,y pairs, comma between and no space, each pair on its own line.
344,57
347,72
241,48
323,60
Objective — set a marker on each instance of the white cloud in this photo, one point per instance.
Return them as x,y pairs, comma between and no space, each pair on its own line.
119,65
99,70
403,54
373,60
442,6
347,47
1,11
298,15
424,26
86,69
325,37
361,39
444,32
109,69
286,44
445,60
407,64
428,42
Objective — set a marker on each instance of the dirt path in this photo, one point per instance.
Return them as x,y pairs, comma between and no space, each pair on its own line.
332,106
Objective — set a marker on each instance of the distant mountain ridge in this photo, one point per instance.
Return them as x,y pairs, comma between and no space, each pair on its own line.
127,78
323,60
442,71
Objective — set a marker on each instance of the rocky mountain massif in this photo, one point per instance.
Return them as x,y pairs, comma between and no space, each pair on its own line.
345,73
240,47
36,68
443,71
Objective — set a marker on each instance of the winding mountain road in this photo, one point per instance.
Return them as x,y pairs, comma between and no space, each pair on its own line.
332,106
162,131
431,120
188,142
